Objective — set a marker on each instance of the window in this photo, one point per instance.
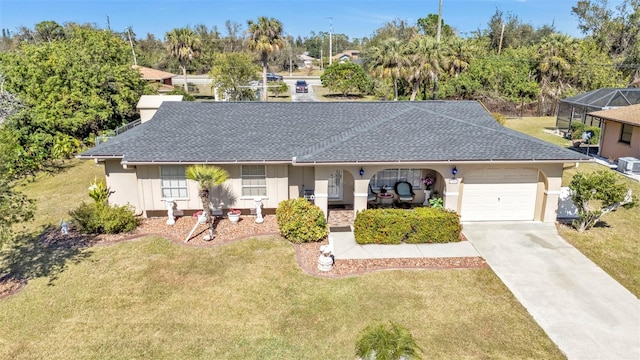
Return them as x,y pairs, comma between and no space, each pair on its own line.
254,180
389,177
625,135
173,182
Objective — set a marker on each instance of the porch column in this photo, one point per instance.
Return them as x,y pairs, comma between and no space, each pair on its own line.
452,193
322,192
551,198
360,195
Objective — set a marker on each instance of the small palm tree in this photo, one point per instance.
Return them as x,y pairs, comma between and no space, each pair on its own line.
381,342
265,38
184,45
207,177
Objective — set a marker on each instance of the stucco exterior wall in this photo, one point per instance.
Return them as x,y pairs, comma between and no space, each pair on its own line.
122,183
610,145
141,186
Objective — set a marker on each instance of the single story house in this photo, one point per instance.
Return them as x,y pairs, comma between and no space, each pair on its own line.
579,108
336,151
620,135
162,81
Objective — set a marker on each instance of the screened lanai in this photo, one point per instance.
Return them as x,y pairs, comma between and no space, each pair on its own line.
577,107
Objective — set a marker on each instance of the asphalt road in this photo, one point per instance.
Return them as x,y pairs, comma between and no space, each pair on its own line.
291,81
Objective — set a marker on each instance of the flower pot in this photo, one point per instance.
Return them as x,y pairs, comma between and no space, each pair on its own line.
427,195
234,218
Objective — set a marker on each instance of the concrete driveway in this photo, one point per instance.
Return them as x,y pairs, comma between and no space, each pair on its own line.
581,308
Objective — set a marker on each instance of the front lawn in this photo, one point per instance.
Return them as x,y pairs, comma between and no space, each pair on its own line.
613,244
151,298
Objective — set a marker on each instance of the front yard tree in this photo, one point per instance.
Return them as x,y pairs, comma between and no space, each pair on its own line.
70,87
265,38
183,44
231,72
597,194
207,177
346,78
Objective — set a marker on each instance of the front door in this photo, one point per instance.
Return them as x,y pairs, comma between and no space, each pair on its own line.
335,186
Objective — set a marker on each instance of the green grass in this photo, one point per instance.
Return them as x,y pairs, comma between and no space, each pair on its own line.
535,127
325,94
56,194
613,243
151,298
154,299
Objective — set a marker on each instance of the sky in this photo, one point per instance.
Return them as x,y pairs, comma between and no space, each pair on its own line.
354,18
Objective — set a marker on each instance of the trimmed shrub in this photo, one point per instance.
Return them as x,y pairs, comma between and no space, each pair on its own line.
300,221
381,226
393,226
100,218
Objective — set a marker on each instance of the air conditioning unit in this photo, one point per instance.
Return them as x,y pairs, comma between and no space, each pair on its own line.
629,165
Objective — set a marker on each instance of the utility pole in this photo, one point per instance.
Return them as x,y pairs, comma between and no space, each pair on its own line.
439,30
330,37
439,23
501,37
135,62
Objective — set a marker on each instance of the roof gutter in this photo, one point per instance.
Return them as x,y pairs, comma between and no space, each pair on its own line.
441,162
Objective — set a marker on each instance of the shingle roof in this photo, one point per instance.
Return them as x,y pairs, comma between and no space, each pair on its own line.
627,114
330,132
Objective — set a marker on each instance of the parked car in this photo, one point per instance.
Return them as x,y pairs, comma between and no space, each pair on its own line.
274,77
302,86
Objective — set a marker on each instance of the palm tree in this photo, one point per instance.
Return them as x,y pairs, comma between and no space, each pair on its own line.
382,342
265,38
460,55
427,60
555,55
207,177
184,45
389,60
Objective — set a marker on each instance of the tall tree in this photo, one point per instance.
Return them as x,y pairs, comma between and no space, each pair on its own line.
429,26
556,56
71,87
183,44
264,37
346,78
231,72
388,60
428,60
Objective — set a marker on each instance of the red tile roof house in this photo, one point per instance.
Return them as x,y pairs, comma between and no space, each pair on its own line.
277,151
162,80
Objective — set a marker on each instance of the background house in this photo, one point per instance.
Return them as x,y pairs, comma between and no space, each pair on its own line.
620,135
278,151
579,107
162,81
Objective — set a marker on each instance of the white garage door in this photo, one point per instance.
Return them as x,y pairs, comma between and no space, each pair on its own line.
499,194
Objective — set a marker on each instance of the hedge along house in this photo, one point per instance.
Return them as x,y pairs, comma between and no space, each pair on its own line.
579,107
278,151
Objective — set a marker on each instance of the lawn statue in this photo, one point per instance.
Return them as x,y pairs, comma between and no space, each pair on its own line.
259,218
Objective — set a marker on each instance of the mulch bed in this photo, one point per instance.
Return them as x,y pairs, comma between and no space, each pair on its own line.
226,232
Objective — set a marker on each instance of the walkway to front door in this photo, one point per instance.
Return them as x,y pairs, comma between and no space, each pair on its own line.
340,217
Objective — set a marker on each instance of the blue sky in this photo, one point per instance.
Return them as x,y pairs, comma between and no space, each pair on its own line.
355,18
